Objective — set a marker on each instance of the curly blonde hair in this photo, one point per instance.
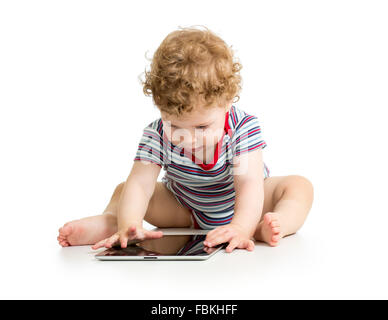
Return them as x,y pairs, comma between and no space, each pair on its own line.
192,66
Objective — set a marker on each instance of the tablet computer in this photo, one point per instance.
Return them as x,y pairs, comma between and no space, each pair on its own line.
168,247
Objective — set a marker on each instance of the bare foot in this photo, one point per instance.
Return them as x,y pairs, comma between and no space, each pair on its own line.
88,230
269,229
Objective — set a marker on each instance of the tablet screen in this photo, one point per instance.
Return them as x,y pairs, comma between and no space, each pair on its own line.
169,245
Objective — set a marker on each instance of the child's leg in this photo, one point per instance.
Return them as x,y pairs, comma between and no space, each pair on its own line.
163,211
92,229
288,201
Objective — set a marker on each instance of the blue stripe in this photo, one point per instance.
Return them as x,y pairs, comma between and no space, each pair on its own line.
209,192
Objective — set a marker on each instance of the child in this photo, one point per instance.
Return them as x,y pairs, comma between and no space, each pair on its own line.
211,151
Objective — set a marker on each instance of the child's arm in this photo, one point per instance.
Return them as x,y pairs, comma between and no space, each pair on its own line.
135,196
249,201
249,191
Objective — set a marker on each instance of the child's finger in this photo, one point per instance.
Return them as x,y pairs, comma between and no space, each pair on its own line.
215,235
111,240
99,244
219,239
251,246
247,244
154,234
232,245
140,234
210,233
124,241
131,231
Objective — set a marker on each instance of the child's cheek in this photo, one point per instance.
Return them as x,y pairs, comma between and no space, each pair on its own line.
212,136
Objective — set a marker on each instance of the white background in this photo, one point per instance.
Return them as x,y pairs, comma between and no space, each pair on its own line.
73,110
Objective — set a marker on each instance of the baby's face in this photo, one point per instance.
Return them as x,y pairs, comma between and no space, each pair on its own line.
195,131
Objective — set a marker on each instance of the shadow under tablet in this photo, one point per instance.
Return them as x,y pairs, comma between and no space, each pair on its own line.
168,247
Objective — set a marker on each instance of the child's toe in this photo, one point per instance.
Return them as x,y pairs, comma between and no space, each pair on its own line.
267,218
273,243
276,230
66,230
275,223
64,243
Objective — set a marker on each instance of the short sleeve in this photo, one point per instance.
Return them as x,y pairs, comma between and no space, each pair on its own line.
247,136
150,148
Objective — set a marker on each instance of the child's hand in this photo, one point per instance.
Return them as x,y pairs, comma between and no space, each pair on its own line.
122,237
231,233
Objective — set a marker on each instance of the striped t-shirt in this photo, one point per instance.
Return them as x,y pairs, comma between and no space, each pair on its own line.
206,189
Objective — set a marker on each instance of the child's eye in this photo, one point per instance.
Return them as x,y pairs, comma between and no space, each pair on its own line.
202,127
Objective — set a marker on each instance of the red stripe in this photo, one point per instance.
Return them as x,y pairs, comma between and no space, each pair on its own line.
142,159
155,153
206,195
217,186
249,133
153,135
196,225
249,149
218,221
214,173
234,119
217,149
183,196
246,119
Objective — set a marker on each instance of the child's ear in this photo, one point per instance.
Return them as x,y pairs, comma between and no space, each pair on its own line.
228,105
